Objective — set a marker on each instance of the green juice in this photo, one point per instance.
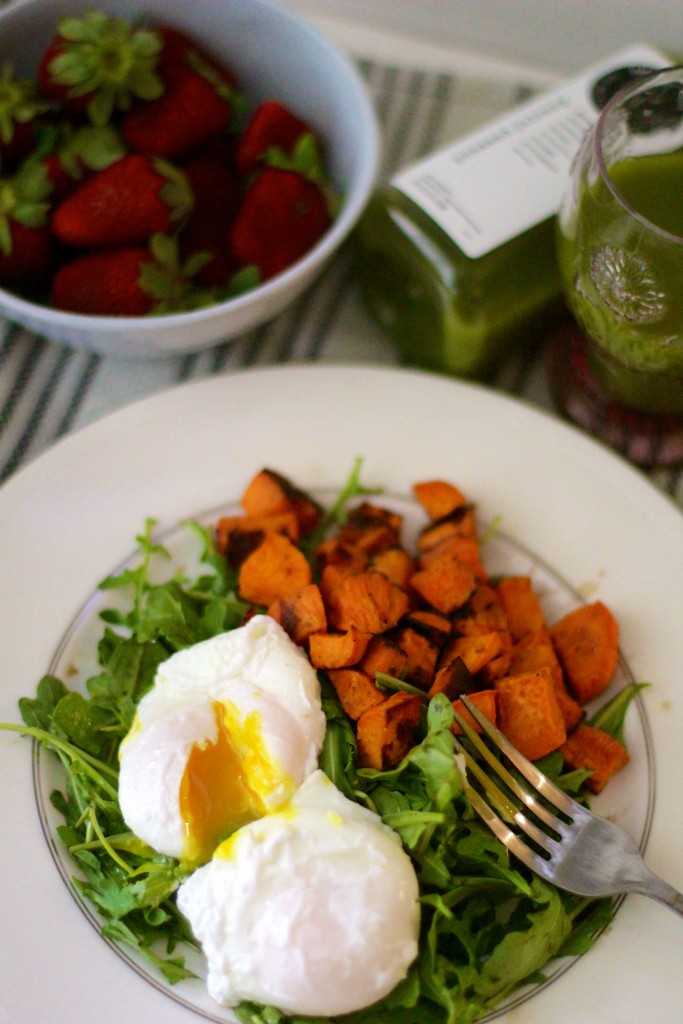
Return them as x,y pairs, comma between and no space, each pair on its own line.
444,310
624,278
653,187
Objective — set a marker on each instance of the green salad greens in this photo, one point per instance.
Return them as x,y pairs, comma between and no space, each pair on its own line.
488,925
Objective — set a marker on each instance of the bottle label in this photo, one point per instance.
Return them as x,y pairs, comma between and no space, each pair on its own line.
509,176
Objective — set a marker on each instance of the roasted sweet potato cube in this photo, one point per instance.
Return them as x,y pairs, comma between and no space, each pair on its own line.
337,650
356,690
460,523
445,583
421,651
536,650
269,493
464,549
430,623
485,700
366,600
330,578
396,564
332,551
482,613
238,536
572,712
301,613
587,644
386,732
275,568
521,604
371,528
383,655
476,651
452,679
528,713
438,498
594,749
499,665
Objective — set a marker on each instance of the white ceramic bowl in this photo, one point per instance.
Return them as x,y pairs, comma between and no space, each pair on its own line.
274,54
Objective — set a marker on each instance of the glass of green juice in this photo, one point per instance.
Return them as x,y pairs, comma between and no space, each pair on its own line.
617,368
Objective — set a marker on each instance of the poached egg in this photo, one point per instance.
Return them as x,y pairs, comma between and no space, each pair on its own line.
312,909
229,731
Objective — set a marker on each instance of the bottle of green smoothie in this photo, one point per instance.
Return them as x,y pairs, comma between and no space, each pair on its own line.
456,254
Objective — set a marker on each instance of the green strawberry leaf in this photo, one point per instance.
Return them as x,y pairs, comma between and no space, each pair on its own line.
31,215
19,103
243,281
196,262
164,248
168,281
176,192
109,58
97,147
101,107
148,85
5,236
77,30
305,159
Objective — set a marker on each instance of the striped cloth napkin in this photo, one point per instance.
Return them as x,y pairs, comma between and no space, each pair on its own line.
47,390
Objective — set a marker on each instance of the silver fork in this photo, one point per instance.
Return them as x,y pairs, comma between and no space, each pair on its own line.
577,850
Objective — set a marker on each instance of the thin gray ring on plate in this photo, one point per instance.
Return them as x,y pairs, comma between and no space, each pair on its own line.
59,856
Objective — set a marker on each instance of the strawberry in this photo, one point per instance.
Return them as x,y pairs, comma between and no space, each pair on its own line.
217,193
271,125
26,246
129,281
197,105
177,48
19,110
124,204
282,215
98,63
29,259
105,283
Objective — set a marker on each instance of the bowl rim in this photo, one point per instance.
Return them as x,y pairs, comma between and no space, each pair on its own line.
352,205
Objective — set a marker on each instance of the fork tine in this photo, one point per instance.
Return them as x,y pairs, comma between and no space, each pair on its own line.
540,782
514,843
498,799
525,796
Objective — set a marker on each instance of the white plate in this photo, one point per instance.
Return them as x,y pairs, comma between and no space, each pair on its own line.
69,518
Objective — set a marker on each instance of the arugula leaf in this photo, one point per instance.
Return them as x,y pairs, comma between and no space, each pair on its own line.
612,715
527,947
338,755
38,711
172,968
81,721
591,918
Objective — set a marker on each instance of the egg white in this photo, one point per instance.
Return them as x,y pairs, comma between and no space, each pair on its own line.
263,691
313,909
260,653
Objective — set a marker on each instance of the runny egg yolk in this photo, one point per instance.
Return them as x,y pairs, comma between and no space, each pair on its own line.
224,783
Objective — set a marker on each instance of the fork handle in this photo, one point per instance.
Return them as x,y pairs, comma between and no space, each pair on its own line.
654,886
672,899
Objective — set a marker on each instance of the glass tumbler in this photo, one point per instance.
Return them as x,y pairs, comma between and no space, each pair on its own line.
617,368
